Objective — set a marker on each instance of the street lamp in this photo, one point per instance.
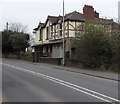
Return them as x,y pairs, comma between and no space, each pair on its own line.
63,35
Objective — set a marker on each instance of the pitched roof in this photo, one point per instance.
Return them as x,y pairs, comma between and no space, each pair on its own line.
74,16
39,25
53,19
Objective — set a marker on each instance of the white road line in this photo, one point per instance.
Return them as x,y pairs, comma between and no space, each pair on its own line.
70,85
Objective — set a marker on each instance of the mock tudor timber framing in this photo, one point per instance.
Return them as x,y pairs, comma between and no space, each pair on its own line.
48,35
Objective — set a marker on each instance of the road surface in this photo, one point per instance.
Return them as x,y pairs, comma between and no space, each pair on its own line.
29,82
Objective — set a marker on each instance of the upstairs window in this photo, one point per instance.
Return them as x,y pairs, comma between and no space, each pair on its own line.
61,29
41,33
47,33
51,31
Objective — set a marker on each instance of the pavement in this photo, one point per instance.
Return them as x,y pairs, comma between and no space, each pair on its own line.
105,75
100,74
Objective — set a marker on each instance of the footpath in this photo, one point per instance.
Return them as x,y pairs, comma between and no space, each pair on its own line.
105,75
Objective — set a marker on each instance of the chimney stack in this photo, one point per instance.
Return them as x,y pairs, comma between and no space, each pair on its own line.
89,13
96,14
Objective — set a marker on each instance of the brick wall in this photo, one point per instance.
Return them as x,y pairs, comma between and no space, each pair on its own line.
55,61
89,13
73,63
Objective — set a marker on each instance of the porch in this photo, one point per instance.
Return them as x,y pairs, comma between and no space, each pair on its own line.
48,50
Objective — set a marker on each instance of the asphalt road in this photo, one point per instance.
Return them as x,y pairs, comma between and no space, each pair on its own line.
27,82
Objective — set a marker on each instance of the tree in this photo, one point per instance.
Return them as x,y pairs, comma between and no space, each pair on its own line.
116,38
12,28
6,44
18,27
19,42
94,48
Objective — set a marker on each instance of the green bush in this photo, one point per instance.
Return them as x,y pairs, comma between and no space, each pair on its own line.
26,56
95,48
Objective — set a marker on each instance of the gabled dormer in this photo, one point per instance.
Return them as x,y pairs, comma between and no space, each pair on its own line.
38,33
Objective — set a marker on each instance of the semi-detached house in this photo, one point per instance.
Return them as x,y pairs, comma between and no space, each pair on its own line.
49,35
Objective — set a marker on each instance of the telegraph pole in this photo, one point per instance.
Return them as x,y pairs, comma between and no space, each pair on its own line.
6,50
63,36
7,26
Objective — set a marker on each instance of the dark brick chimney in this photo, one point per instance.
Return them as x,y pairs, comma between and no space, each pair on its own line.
89,13
96,14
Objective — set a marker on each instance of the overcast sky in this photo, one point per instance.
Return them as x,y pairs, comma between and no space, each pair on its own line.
30,12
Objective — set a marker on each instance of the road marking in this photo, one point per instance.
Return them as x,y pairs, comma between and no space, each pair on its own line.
70,85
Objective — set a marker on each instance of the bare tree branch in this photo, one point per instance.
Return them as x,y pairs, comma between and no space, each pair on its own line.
18,27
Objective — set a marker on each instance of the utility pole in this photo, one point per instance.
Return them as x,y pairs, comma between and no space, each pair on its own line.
6,50
7,26
63,36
